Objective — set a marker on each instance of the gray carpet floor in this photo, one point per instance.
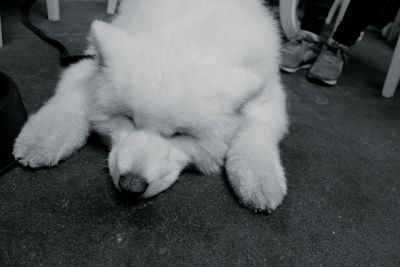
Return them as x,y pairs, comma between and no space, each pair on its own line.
341,158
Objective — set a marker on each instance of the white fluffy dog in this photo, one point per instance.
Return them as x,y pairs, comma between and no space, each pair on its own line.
173,83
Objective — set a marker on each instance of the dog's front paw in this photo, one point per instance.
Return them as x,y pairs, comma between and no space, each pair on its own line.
48,137
258,182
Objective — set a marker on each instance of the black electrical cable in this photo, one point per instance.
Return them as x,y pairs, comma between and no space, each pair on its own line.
65,58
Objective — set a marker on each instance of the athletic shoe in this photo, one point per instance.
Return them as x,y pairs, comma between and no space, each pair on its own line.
300,52
329,64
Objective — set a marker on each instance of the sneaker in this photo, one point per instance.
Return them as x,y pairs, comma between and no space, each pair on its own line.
300,52
329,64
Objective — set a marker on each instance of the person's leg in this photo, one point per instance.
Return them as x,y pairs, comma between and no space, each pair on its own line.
328,66
358,15
301,51
315,12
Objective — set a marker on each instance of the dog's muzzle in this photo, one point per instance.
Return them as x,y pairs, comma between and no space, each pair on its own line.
132,184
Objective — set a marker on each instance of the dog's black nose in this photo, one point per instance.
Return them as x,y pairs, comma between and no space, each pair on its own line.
132,184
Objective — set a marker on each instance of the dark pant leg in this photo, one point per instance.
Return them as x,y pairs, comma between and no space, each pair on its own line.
315,13
358,15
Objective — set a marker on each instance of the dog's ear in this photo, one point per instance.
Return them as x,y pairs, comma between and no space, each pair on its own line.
110,42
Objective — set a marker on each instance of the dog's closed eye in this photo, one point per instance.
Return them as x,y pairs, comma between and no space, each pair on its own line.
130,118
181,133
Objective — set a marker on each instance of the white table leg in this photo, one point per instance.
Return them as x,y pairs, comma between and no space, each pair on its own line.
393,76
111,6
289,20
53,9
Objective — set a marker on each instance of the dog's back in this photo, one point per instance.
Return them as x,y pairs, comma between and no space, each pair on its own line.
240,29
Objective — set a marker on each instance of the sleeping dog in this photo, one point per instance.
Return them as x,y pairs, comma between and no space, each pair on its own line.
173,83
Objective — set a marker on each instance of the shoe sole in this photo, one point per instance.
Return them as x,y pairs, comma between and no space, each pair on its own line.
318,80
293,70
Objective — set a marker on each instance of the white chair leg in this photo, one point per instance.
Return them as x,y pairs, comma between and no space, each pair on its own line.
395,26
288,15
332,11
112,6
1,36
393,76
342,11
53,9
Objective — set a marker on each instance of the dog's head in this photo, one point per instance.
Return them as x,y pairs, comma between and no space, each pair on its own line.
164,105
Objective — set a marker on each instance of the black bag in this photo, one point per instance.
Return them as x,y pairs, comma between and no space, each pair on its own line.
12,118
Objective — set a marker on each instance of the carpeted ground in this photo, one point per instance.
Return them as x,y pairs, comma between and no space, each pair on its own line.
341,159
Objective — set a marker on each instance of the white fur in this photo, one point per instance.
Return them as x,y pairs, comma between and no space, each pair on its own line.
207,69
